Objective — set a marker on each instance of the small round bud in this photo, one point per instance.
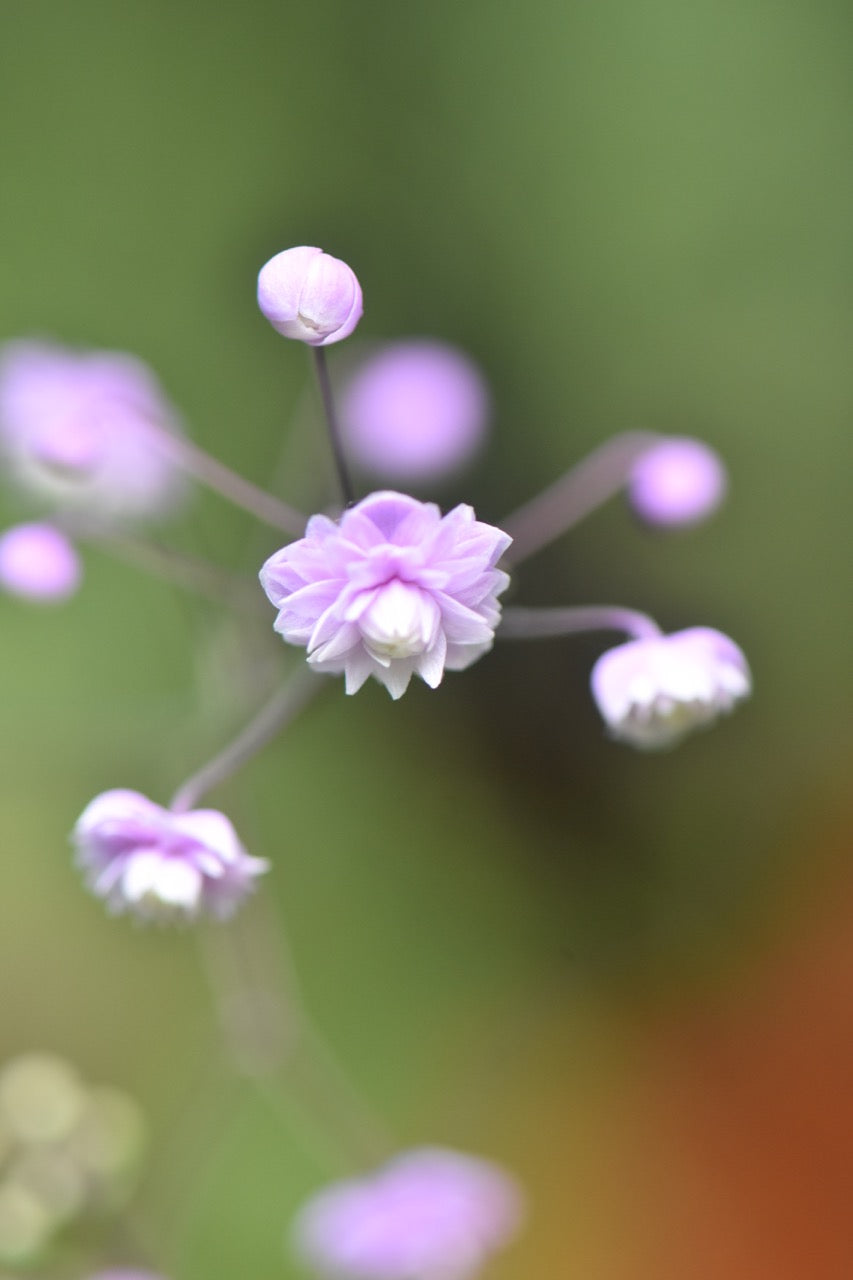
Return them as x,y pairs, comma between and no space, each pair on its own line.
308,295
678,481
414,410
38,562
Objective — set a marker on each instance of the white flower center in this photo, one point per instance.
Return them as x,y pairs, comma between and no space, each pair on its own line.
401,622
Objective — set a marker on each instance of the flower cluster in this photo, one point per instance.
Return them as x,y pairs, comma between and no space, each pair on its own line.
387,587
69,1150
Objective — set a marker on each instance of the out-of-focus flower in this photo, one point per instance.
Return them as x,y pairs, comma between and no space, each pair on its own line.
42,1098
38,562
309,295
80,430
652,692
429,1214
393,589
65,1149
678,481
124,1274
158,864
414,410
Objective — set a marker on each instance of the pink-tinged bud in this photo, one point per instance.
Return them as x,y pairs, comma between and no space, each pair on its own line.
309,295
678,481
83,430
414,410
393,590
38,562
653,692
427,1214
162,865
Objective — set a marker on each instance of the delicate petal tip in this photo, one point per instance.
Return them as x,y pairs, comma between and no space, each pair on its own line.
428,1212
677,481
39,563
159,865
310,296
414,410
392,590
653,692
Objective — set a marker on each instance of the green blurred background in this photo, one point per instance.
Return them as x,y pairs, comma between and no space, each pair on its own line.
626,977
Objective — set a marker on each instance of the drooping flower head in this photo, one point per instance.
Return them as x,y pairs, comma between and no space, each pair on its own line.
39,563
429,1214
391,590
309,295
652,692
158,864
414,410
80,430
677,481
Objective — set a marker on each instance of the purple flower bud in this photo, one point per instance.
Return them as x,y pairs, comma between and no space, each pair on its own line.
429,1214
652,692
79,429
162,865
38,562
416,409
309,295
392,590
677,481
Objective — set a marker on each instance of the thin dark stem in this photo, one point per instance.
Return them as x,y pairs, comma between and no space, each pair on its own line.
575,494
283,707
325,385
538,624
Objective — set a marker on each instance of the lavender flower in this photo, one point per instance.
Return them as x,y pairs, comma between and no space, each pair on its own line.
39,563
429,1214
677,481
159,864
393,589
80,430
309,295
415,409
651,692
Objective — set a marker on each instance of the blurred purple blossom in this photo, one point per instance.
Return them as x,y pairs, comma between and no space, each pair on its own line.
429,1214
80,430
393,589
414,410
651,692
308,295
678,481
38,562
125,1275
158,864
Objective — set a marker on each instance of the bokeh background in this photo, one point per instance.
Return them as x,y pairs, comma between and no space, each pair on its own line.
628,978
